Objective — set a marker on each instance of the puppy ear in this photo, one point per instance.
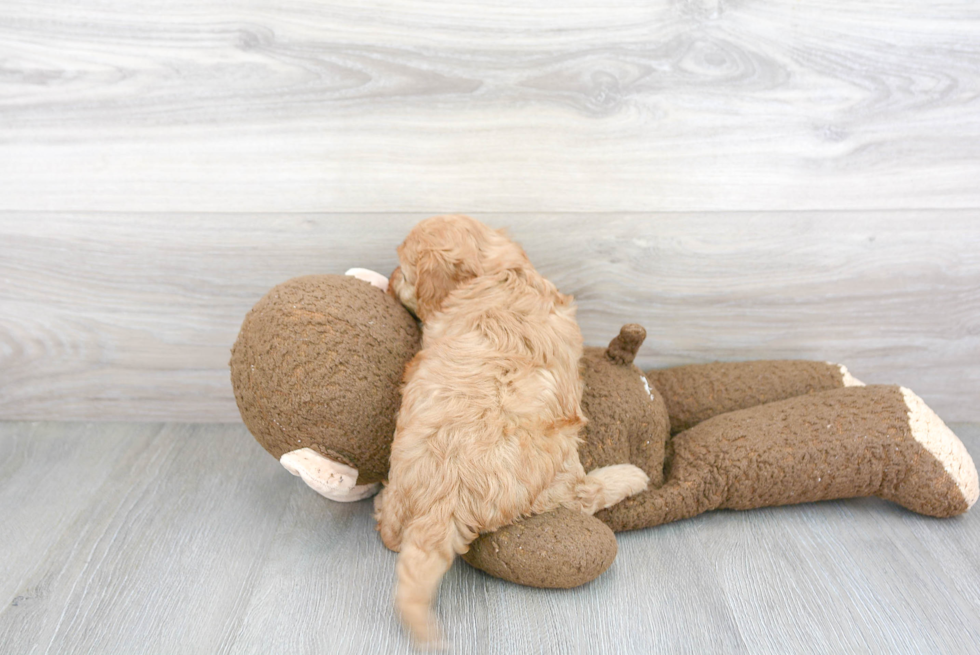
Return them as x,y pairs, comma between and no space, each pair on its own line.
435,278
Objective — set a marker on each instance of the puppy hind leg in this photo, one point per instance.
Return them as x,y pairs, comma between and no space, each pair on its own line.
606,486
391,514
427,551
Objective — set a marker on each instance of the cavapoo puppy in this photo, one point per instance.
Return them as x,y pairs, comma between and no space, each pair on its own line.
488,430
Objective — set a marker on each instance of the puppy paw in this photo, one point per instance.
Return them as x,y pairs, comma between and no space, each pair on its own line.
632,479
608,485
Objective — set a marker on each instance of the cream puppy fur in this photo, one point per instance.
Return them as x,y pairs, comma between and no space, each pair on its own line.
488,430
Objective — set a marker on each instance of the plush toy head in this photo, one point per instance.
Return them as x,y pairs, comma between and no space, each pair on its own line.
318,364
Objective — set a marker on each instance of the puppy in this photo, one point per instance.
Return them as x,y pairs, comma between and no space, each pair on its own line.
488,430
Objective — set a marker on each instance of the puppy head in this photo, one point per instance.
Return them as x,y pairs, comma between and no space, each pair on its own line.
445,252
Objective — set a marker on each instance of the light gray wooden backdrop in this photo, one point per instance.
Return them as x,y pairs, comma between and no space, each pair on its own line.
748,180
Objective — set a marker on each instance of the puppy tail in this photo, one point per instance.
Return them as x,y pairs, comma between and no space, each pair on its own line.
428,547
606,486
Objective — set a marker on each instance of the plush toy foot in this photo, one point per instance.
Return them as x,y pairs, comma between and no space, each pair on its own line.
844,443
847,379
328,478
929,431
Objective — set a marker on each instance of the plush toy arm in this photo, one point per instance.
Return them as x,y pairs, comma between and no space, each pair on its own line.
697,392
557,550
857,441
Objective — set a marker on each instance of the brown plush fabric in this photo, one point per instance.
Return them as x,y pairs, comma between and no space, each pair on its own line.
623,348
697,392
561,549
626,423
843,443
318,363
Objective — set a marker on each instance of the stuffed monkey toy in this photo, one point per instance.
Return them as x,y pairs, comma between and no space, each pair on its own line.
318,362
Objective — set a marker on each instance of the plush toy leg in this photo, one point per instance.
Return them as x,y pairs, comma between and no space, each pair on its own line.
849,442
328,478
696,393
557,550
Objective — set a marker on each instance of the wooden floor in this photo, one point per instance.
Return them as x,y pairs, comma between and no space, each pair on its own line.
177,538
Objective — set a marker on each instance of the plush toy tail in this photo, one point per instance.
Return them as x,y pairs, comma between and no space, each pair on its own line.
428,546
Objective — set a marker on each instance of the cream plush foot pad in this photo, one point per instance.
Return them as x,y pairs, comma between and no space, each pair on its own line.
846,377
930,431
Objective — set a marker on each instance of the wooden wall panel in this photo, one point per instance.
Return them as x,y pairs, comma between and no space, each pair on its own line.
354,106
750,179
131,316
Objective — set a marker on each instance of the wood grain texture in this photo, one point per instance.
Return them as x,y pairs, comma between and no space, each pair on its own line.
189,538
120,316
351,106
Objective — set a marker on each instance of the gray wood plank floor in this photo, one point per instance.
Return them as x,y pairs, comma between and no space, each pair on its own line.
182,538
